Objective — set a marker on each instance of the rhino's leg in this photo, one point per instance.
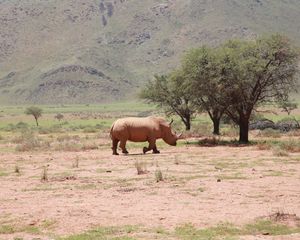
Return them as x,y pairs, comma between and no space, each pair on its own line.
115,146
155,150
152,146
123,146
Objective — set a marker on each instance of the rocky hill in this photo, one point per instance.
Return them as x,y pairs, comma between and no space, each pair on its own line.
76,51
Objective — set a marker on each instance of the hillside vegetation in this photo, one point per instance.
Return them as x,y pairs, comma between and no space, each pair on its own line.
67,51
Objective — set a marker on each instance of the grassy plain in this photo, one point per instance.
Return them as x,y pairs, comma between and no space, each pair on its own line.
59,181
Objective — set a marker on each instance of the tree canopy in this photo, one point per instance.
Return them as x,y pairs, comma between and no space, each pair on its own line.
171,94
36,112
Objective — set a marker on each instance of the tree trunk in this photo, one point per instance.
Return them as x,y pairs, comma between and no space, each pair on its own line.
187,122
36,120
244,130
216,122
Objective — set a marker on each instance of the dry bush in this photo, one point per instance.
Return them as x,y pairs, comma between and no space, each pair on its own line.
1,138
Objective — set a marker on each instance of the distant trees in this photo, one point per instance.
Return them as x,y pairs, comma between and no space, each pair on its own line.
36,112
233,79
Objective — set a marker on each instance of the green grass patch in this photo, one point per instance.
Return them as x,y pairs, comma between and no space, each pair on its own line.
229,231
105,233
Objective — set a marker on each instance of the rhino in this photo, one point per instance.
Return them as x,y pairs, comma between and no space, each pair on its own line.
146,129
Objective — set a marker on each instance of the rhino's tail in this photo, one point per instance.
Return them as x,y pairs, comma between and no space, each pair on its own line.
111,129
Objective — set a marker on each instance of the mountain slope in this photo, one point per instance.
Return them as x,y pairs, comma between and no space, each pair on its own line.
68,51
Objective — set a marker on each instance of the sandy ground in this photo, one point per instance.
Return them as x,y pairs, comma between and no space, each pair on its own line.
202,185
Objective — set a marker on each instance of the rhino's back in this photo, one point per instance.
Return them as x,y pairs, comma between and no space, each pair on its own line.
136,129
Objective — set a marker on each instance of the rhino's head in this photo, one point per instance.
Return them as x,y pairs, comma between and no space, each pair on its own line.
167,135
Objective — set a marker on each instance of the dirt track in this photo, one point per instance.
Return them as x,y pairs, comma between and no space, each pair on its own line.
202,185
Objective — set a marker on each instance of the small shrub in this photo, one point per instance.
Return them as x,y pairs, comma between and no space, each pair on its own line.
15,127
264,146
141,167
1,138
158,175
59,116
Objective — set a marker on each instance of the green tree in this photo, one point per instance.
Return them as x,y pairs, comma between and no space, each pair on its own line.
201,68
170,93
255,73
36,112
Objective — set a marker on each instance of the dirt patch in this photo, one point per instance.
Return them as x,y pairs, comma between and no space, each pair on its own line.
105,190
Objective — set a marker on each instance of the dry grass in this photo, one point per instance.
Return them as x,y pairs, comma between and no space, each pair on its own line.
141,167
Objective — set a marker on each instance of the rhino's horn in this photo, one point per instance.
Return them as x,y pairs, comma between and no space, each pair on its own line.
179,136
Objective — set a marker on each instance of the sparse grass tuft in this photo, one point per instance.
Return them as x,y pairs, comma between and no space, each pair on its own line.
103,233
141,167
44,176
270,133
27,141
17,169
158,175
76,162
292,145
277,151
176,160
